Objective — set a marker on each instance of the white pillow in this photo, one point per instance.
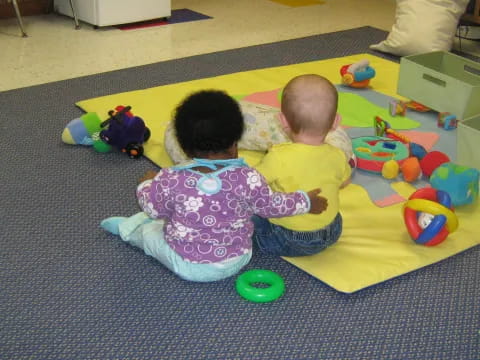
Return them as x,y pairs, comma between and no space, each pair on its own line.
423,26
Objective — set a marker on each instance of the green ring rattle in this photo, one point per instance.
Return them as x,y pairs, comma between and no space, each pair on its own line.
275,289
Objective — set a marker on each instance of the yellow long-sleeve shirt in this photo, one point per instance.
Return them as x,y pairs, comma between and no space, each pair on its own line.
292,166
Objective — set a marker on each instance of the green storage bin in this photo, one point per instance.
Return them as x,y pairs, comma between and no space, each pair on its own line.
443,81
468,142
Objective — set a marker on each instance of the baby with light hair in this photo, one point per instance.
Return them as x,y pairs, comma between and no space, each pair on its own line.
308,115
309,108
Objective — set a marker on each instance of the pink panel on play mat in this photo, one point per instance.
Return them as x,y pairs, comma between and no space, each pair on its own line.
269,98
426,139
389,200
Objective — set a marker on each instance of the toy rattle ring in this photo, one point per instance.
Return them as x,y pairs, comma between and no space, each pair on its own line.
246,289
430,229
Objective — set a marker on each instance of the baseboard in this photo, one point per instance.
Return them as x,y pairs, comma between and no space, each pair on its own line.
26,7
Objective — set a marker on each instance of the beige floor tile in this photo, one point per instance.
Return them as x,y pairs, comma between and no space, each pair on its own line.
55,51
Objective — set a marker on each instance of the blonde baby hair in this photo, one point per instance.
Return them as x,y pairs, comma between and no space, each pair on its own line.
309,104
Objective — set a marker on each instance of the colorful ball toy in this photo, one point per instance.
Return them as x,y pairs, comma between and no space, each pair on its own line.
460,182
433,160
429,216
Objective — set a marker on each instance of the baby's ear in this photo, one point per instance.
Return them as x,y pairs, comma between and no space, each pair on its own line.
337,121
284,123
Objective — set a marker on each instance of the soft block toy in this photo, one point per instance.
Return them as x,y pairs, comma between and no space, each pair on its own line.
433,160
411,169
460,182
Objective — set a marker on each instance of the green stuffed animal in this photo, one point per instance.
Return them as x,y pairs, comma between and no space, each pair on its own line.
85,130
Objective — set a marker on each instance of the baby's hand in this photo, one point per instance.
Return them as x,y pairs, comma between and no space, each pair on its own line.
318,204
149,175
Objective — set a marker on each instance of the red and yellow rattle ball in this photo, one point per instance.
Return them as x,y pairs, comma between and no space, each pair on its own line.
429,216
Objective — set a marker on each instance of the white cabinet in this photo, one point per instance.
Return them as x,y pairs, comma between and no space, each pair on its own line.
114,12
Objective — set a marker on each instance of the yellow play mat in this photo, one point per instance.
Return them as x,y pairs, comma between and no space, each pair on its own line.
375,245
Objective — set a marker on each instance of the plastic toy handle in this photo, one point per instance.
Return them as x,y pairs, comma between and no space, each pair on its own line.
358,66
435,80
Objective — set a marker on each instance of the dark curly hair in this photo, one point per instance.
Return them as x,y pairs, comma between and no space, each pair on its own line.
208,121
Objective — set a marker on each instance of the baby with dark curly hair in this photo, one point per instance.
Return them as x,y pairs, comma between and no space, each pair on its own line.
196,217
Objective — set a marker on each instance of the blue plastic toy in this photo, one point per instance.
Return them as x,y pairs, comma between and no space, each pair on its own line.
460,182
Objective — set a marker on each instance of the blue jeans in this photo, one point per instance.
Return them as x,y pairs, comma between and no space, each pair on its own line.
276,240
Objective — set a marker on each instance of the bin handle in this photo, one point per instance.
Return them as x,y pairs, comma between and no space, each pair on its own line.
471,70
434,80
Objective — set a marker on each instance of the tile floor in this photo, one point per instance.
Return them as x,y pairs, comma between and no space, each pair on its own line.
55,51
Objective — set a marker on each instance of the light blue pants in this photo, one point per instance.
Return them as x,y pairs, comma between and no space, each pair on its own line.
147,234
